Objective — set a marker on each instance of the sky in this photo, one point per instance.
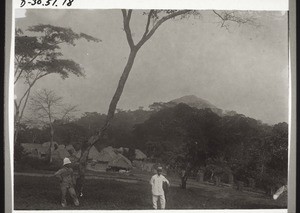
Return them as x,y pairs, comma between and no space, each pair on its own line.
243,68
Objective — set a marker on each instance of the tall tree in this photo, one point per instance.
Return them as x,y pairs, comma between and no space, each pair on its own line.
37,54
158,17
46,107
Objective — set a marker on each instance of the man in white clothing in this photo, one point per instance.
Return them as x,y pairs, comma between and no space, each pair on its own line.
157,189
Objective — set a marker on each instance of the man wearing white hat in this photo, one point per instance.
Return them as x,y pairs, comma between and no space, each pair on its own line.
66,177
156,182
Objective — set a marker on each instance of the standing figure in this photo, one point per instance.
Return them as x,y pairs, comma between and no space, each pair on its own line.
184,178
157,189
66,177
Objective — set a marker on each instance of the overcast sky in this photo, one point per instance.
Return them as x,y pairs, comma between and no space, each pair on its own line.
244,68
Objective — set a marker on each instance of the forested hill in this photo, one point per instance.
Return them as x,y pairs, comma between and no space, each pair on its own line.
199,103
169,121
218,136
183,136
190,100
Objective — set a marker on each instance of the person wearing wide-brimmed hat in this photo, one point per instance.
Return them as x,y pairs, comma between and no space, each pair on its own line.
158,193
66,177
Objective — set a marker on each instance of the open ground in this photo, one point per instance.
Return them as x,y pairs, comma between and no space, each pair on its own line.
119,192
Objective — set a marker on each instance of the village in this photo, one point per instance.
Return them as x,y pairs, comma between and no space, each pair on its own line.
109,170
108,159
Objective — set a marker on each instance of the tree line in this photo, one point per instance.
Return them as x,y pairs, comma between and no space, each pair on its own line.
183,137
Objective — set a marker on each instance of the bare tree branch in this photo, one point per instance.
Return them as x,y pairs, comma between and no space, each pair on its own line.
42,104
40,52
162,20
67,112
126,20
25,103
129,14
231,17
148,23
17,58
30,86
219,17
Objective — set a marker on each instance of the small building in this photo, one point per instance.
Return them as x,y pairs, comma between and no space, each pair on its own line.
93,154
120,162
107,154
95,162
139,155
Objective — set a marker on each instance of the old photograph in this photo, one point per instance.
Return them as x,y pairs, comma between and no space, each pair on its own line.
130,109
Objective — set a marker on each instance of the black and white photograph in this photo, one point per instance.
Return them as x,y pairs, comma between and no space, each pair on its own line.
135,109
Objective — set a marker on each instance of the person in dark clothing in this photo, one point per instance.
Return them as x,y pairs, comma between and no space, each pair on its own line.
66,177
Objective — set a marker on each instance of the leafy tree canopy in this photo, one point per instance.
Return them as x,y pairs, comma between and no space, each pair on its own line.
38,50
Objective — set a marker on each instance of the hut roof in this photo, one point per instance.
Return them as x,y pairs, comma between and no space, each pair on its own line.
120,161
107,154
93,153
139,155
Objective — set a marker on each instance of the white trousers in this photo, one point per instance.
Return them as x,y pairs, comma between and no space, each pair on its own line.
162,201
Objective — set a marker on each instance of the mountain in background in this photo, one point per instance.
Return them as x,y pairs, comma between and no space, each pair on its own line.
194,101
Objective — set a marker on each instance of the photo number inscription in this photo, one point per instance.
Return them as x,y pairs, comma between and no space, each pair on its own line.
47,3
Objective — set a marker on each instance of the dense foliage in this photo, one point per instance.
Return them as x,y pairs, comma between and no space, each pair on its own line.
182,137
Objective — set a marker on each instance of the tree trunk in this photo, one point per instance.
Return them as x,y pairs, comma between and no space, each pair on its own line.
17,124
51,142
113,104
17,129
112,107
19,114
183,182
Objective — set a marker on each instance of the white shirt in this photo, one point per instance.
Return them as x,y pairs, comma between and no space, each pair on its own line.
157,184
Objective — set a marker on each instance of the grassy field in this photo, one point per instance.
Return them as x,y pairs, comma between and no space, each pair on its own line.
37,193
